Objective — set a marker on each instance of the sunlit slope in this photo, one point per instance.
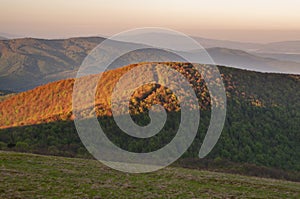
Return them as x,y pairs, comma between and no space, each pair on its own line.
53,101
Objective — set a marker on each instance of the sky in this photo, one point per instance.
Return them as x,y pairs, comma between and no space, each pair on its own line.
239,20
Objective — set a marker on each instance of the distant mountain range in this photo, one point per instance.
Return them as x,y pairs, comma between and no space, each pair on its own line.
244,60
285,47
27,63
282,47
10,36
282,57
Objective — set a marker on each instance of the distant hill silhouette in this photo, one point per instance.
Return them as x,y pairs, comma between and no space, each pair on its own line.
27,63
285,47
248,61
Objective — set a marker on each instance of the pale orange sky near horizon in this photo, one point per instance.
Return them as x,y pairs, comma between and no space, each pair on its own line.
252,21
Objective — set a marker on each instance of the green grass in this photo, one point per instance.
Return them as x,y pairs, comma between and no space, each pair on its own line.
36,176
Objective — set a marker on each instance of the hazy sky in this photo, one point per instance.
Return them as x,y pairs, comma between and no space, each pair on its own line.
251,20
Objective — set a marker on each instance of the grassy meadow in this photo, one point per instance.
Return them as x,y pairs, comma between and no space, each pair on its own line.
35,176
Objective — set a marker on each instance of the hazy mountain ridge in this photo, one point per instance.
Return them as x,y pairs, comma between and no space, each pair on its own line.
10,36
281,56
279,47
27,63
285,47
213,43
244,60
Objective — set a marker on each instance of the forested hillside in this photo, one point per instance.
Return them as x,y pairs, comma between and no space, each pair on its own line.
262,125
